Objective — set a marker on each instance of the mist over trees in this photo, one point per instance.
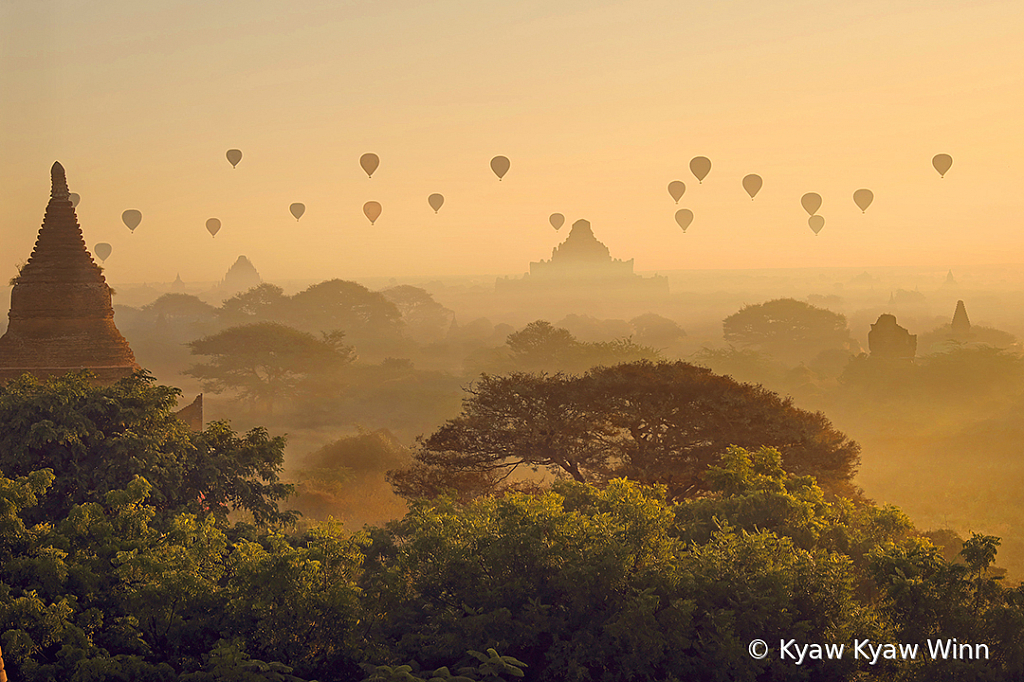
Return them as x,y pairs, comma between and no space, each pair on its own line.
621,462
617,581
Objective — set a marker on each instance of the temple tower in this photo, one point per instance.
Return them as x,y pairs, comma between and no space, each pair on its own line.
61,317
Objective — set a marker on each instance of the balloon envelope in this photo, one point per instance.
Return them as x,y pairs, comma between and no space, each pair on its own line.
102,250
863,199
752,183
213,226
74,199
700,166
942,163
371,209
369,162
676,189
234,156
500,166
436,201
297,210
132,218
811,202
816,222
684,217
557,220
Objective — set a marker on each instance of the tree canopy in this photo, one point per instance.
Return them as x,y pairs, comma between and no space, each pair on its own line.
788,329
543,347
98,439
267,361
662,422
580,582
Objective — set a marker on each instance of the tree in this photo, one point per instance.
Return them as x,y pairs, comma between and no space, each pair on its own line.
656,330
788,329
338,304
266,361
426,320
652,422
608,583
540,346
263,303
98,439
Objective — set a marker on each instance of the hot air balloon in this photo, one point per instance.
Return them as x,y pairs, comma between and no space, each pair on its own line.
700,166
557,220
863,199
213,226
371,209
500,166
816,222
234,156
684,217
132,218
811,202
369,163
102,251
74,199
752,183
676,189
435,201
297,210
942,163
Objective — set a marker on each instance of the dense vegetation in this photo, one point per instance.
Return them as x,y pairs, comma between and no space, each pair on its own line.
615,581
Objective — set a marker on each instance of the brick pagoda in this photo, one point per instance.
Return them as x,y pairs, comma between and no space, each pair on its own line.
61,318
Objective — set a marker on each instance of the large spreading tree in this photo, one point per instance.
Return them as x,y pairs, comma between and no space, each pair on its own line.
663,422
265,362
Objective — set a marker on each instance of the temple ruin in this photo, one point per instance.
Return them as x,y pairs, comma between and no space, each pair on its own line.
890,341
61,318
583,262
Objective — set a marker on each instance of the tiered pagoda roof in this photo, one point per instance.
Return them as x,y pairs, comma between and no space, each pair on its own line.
61,317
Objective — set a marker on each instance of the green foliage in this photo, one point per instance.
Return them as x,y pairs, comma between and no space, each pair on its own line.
492,666
98,439
613,583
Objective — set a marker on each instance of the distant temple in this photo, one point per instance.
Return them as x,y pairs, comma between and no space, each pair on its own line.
582,260
891,341
61,317
960,327
240,277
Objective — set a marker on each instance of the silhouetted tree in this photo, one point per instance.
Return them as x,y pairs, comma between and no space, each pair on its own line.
787,329
348,306
540,346
265,361
655,330
425,319
263,303
652,422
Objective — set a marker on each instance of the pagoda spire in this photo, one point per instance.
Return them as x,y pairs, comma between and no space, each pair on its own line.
61,317
58,182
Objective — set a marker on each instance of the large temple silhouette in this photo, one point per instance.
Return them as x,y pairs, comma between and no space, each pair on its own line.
61,317
583,263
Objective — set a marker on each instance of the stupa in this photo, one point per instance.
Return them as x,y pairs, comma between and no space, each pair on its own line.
61,317
583,262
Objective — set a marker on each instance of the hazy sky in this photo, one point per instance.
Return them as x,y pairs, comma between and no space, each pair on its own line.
599,105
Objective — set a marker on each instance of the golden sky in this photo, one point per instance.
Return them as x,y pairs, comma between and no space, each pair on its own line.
598,105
